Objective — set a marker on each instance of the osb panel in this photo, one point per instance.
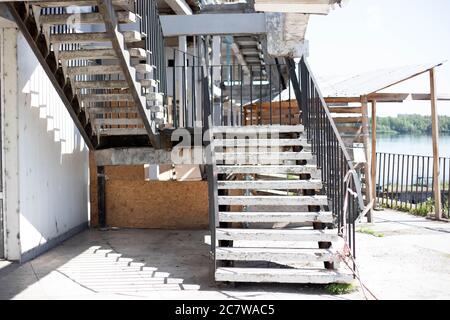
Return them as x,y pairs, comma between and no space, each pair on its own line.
157,204
125,172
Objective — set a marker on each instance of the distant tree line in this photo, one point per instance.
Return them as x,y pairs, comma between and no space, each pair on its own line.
410,123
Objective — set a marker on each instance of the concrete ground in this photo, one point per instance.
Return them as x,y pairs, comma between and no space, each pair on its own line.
410,261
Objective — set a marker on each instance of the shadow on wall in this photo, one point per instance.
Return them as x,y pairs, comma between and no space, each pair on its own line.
53,161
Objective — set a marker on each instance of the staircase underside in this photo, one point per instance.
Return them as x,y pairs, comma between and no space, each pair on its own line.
94,54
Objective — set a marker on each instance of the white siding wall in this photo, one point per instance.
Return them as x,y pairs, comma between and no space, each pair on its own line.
53,159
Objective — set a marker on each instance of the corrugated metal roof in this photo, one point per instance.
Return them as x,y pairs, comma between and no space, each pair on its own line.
372,81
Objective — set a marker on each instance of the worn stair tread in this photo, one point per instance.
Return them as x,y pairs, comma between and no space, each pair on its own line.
270,184
85,37
270,169
132,36
255,156
292,217
94,69
87,54
276,234
259,129
276,254
106,97
84,18
144,68
106,110
138,53
122,131
278,275
148,83
54,4
118,121
102,84
317,200
260,142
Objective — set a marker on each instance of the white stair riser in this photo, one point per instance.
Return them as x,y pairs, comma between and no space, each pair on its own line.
273,200
274,217
275,235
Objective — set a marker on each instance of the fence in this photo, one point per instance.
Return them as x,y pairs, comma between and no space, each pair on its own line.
405,182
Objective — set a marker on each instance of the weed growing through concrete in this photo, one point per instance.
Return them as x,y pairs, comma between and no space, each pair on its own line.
371,232
340,288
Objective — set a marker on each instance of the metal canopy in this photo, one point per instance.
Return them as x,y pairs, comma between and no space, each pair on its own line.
372,81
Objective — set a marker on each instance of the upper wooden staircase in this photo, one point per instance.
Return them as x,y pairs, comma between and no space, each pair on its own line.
94,54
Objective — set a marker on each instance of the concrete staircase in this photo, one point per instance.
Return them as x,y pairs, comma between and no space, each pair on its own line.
272,224
94,54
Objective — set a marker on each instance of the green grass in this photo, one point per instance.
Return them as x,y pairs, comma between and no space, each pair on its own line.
421,210
340,288
371,232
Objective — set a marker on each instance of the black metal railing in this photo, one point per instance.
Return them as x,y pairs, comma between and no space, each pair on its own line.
340,178
150,25
238,96
405,182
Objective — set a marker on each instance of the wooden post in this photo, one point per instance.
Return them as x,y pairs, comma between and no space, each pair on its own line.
373,165
435,137
367,175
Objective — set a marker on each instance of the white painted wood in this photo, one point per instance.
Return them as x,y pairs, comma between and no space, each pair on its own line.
122,131
287,255
144,68
268,169
270,184
276,235
138,53
320,276
260,157
155,96
260,142
117,121
272,129
148,83
274,200
54,4
84,18
292,217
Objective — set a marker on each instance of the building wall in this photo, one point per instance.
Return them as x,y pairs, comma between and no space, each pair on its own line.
50,183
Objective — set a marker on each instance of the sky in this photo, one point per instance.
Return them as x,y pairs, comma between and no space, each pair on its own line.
367,35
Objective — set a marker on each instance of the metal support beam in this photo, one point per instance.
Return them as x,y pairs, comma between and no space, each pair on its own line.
101,200
213,24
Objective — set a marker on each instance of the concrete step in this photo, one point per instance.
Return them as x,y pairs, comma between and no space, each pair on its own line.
270,184
274,217
260,142
258,157
85,37
268,169
273,200
319,276
84,18
276,234
270,129
87,54
288,255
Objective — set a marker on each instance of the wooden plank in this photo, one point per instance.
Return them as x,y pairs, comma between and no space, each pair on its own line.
435,142
274,217
267,129
273,200
87,54
276,234
294,169
106,110
122,131
102,84
84,18
82,3
117,121
277,275
277,254
373,165
348,119
106,97
345,109
365,132
270,184
85,37
262,156
96,69
269,143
